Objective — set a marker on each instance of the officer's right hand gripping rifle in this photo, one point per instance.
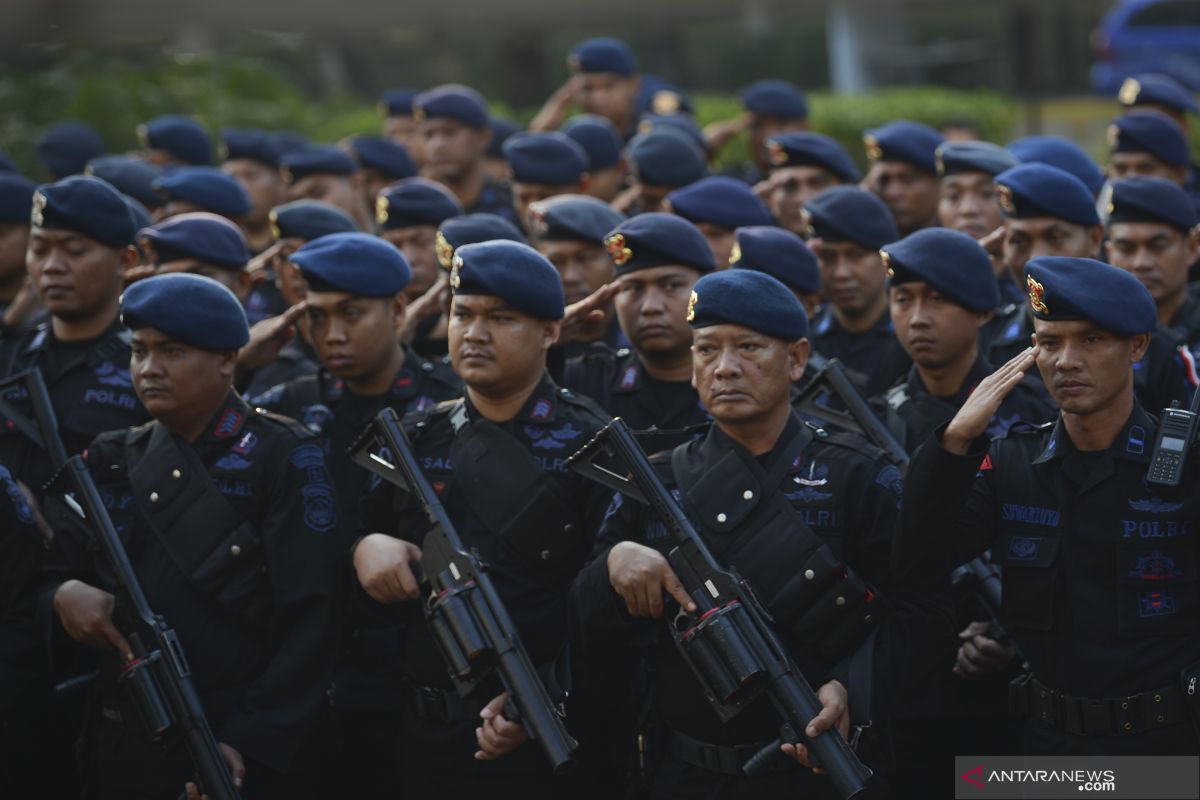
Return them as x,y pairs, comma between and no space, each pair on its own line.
464,611
729,642
157,679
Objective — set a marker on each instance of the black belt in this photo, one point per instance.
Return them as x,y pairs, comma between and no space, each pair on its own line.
1085,716
440,705
725,759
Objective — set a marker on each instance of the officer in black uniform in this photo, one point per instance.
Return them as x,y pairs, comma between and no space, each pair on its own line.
381,162
355,305
657,258
408,214
718,205
661,160
1165,94
293,224
1048,212
498,458
175,139
202,244
187,189
768,492
904,172
250,157
784,256
1148,144
16,198
541,166
569,231
1099,584
607,168
802,166
454,129
229,519
940,296
846,227
773,107
604,81
1152,233
328,174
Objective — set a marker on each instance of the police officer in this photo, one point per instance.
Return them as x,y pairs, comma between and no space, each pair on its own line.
768,493
1056,151
607,167
325,173
455,133
1162,93
175,140
717,206
251,158
940,297
202,244
657,259
801,166
498,460
355,305
1150,145
130,176
604,81
293,224
773,108
1050,212
784,256
541,166
186,189
16,198
252,595
66,147
399,124
381,162
1152,233
1069,514
408,214
904,172
660,161
494,163
569,231
846,227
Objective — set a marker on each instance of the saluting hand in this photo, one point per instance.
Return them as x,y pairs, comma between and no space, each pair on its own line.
582,318
972,419
267,338
383,565
640,575
425,306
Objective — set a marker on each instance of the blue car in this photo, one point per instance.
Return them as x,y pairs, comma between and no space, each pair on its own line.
1147,36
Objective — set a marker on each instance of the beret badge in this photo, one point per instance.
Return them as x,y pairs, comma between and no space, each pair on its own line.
1130,90
887,263
1004,194
1036,294
36,216
617,250
665,102
455,278
874,151
275,231
691,315
381,209
445,251
777,155
735,254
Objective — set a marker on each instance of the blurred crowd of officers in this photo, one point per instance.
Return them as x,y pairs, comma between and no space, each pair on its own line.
215,335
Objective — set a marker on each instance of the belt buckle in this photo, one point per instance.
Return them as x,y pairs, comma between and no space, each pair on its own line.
1096,718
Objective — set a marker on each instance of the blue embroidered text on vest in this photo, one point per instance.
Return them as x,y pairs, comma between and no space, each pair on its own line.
1033,515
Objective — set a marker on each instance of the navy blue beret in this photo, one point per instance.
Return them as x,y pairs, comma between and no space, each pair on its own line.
1062,153
552,158
67,147
182,137
658,96
199,235
1040,190
602,54
904,140
955,157
391,159
502,131
719,200
849,214
397,102
473,229
253,144
309,219
287,141
598,137
1146,131
807,149
191,309
949,261
1063,288
748,298
16,197
130,175
452,101
141,217
1151,200
779,253
207,187
514,272
680,123
6,164
573,217
415,201
1161,90
316,159
666,157
86,205
775,98
656,239
357,263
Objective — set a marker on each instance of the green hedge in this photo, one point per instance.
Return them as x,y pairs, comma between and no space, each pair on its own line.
115,95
